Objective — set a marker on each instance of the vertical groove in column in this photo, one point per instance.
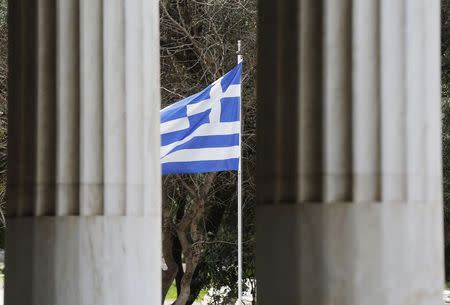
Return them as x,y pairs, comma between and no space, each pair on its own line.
287,102
67,125
114,107
28,110
338,101
134,106
46,256
366,124
418,104
21,87
393,101
267,102
14,51
152,103
432,87
366,102
311,101
278,102
91,107
274,176
46,108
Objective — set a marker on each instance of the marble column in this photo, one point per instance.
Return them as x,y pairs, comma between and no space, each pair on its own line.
349,155
83,165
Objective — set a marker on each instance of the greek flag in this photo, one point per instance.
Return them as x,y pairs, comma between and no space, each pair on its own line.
201,133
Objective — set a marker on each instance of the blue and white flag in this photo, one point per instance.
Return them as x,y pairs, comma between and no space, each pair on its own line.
201,133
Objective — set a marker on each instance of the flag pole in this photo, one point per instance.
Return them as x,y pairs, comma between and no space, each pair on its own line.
239,189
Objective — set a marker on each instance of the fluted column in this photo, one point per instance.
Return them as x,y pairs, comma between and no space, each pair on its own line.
83,166
349,154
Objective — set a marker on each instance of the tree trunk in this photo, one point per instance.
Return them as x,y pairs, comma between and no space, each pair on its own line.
196,285
191,265
193,247
177,250
192,237
214,217
169,274
177,255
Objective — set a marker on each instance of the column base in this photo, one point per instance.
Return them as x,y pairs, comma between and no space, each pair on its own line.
101,260
350,254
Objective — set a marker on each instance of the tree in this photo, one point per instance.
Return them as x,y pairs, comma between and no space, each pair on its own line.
445,66
198,43
3,114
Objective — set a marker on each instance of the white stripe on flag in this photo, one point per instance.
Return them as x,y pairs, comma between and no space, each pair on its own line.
175,125
205,130
202,154
232,91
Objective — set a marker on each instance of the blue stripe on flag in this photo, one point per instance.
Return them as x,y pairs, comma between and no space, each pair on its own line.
179,110
195,121
173,113
202,96
229,109
233,77
199,166
208,142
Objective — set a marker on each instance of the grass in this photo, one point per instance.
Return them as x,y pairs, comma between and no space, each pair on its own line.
202,294
172,294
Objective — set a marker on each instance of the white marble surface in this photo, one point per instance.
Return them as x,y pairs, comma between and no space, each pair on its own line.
350,254
446,296
349,172
90,234
84,260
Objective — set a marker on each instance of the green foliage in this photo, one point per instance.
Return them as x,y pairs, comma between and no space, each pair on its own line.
219,265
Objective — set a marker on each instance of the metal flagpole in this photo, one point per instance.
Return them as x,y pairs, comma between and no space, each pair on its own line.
239,187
